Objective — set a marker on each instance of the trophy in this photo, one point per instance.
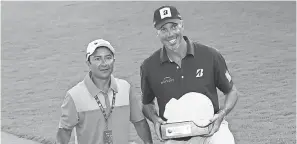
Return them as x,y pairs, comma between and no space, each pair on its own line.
188,116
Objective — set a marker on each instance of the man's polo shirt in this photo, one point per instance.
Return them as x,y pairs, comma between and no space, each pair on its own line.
81,111
202,70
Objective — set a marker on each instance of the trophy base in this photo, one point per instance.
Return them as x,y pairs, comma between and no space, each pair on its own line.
181,129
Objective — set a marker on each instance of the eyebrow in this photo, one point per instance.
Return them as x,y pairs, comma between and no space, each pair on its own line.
103,56
173,24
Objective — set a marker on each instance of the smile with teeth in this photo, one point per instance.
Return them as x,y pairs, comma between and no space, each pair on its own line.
172,41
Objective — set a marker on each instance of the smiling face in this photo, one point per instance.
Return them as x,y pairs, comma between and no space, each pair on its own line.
101,63
171,35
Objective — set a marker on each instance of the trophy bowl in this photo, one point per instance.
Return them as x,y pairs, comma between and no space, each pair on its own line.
188,116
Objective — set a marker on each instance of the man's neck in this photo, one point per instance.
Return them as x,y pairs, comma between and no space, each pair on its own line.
102,84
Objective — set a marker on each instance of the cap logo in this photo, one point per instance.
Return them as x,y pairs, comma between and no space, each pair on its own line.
165,12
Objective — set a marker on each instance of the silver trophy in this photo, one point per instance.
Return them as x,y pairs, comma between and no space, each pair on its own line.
187,116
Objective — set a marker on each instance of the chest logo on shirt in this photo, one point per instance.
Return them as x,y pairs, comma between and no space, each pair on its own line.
167,80
199,73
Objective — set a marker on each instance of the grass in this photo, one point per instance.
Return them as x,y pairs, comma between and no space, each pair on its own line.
43,46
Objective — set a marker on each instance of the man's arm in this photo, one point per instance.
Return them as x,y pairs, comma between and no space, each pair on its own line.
230,101
138,119
68,119
150,112
148,96
225,83
143,131
148,106
63,136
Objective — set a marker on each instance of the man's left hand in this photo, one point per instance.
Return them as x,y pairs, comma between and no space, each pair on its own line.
215,123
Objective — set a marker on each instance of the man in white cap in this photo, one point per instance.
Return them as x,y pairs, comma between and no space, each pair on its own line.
183,66
101,106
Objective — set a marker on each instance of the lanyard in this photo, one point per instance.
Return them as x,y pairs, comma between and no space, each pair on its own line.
102,109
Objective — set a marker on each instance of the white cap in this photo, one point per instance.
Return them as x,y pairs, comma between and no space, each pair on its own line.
92,46
191,106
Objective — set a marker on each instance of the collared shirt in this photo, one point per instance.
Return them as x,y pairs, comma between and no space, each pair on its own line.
202,70
81,112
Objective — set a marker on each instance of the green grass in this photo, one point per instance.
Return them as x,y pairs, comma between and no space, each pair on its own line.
43,46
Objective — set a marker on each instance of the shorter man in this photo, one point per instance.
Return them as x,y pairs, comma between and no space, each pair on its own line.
100,106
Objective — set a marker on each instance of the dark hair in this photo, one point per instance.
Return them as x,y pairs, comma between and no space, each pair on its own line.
89,59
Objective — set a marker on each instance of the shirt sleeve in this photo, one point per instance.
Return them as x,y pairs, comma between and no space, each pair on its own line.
223,79
135,107
69,116
147,93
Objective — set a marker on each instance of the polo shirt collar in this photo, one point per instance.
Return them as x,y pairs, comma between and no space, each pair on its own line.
190,50
92,88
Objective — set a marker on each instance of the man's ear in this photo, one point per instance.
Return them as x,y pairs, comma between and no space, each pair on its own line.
88,63
157,33
182,24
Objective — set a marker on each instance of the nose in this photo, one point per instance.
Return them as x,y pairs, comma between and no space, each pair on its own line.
170,33
103,66
103,63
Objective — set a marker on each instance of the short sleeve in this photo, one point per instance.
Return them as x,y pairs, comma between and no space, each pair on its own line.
135,107
223,79
69,116
147,93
